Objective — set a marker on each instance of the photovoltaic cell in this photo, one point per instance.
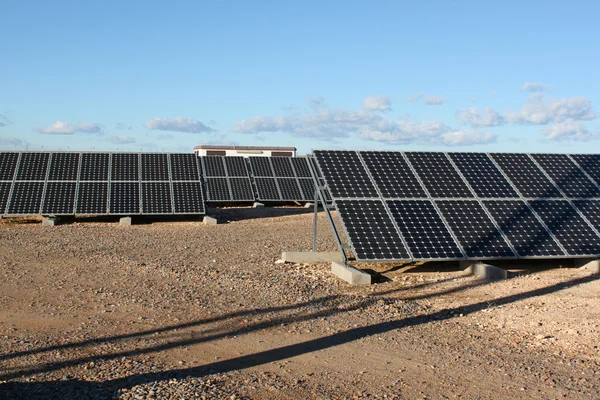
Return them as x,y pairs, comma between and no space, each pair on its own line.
567,175
345,174
591,210
187,198
267,189
371,230
217,189
261,166
241,189
92,198
569,228
184,167
308,189
32,166
526,176
474,230
59,198
392,174
125,198
8,164
483,176
156,198
155,167
301,167
213,166
63,167
438,175
94,167
236,166
125,167
527,235
282,166
26,198
590,163
424,230
4,193
289,189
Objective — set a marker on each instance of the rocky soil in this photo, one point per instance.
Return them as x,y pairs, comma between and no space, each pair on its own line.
182,310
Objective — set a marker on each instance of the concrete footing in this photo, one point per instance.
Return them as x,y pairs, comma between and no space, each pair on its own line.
49,221
125,221
350,274
310,257
258,205
482,270
209,220
589,264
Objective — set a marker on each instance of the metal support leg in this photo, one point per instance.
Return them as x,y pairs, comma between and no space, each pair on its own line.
315,222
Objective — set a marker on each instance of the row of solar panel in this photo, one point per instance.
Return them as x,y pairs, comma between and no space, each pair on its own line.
460,175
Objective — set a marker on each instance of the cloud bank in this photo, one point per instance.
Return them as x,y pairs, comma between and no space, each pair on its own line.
178,124
534,87
65,128
377,103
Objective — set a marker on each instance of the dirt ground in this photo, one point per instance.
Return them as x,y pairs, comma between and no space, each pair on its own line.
178,309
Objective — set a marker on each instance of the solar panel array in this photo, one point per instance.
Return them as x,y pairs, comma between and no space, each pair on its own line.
227,179
282,179
69,183
447,206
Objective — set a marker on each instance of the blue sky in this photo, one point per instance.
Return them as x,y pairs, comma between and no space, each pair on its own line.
429,75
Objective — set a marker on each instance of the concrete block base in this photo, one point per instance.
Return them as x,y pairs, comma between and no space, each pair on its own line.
586,263
310,257
209,220
350,274
47,221
484,271
258,205
125,221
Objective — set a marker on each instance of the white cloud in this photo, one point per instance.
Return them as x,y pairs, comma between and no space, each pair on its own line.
534,87
65,128
122,139
434,100
13,142
4,121
569,131
404,132
123,127
415,97
377,103
539,111
468,138
316,102
178,124
471,116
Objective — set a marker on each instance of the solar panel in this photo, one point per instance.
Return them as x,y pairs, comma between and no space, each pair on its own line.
8,164
526,176
392,174
300,165
63,167
217,189
569,228
590,163
371,230
261,166
125,198
156,198
213,166
345,174
184,167
567,175
59,198
289,189
32,166
315,167
267,189
520,225
26,198
438,175
92,198
483,176
590,210
4,193
241,189
188,198
474,230
125,167
155,167
94,167
424,230
282,166
307,185
236,166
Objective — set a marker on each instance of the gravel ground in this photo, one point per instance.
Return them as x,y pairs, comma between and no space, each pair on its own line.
178,309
